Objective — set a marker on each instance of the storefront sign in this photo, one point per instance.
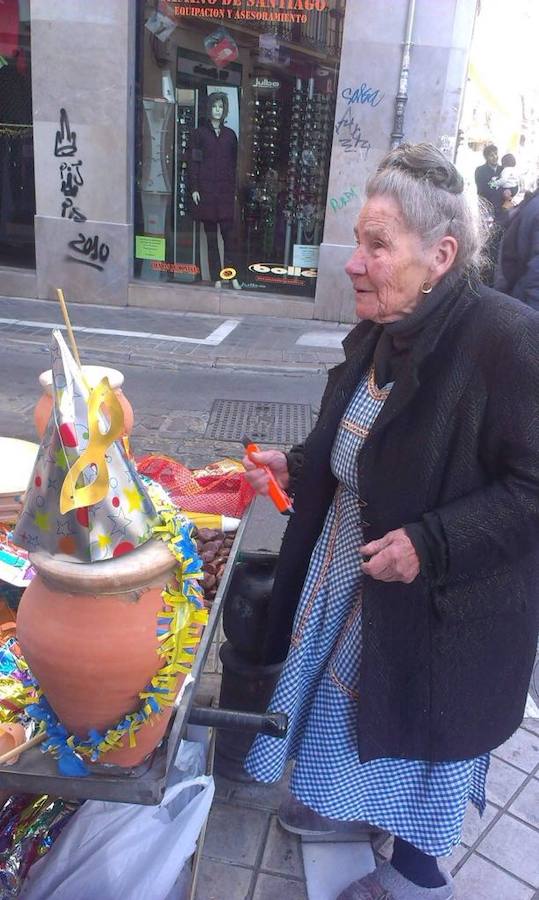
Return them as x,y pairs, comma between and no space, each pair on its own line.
256,11
264,84
149,247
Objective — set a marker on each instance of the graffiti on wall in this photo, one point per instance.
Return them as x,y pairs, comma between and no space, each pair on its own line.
364,95
92,251
347,196
349,134
65,149
86,250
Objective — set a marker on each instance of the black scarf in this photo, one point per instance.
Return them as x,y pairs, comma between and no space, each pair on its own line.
396,341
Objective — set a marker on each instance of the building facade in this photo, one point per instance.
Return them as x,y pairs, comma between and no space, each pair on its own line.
210,155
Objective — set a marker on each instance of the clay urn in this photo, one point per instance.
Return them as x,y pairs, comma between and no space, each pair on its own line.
89,634
12,735
93,375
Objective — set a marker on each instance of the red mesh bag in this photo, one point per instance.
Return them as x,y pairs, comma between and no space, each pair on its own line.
220,488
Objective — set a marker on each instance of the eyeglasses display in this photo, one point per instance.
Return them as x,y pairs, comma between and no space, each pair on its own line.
290,147
184,126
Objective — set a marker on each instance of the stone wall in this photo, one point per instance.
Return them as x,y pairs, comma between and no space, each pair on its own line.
82,60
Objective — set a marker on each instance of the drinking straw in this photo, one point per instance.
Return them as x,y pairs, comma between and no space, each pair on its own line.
71,336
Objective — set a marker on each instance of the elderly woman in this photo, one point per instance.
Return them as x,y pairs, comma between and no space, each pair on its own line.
406,591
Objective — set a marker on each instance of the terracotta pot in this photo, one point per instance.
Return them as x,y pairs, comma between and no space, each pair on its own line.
93,375
89,635
11,736
7,630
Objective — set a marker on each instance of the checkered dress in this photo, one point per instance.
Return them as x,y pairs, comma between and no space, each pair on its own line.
422,802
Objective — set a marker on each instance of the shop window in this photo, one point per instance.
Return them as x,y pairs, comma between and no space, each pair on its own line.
236,104
17,192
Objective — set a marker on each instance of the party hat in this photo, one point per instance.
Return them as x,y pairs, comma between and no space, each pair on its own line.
85,499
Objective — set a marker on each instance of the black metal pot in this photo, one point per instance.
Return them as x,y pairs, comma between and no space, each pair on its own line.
248,688
246,606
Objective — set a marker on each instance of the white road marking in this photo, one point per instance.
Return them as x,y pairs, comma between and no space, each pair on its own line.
216,337
328,339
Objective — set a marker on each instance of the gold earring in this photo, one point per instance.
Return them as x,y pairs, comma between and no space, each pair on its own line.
426,287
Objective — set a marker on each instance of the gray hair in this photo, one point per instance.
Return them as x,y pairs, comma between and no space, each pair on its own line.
430,193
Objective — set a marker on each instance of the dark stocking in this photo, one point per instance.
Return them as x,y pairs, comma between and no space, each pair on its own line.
418,867
228,235
214,261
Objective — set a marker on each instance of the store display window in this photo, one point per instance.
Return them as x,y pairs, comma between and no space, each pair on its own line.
235,117
17,189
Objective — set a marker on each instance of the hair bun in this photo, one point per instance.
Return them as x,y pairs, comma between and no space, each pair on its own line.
425,162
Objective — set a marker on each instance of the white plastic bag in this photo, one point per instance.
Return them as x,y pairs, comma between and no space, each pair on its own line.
121,850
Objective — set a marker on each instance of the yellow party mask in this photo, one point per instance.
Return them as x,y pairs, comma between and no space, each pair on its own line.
71,496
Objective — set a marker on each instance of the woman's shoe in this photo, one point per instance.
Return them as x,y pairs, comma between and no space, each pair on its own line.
299,819
388,884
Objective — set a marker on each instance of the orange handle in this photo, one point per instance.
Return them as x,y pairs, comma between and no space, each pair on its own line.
275,492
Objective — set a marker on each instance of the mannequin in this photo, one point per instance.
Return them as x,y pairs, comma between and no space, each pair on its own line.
212,175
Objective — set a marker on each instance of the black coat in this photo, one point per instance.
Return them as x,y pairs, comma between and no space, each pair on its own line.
446,660
519,259
483,174
212,172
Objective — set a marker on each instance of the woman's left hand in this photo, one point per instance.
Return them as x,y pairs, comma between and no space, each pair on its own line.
392,558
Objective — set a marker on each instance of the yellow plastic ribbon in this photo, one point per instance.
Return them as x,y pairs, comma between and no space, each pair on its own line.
71,496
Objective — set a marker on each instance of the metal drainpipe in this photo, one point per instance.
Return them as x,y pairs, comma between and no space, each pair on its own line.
402,97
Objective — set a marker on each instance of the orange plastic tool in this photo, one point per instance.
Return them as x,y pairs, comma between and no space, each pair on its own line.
280,499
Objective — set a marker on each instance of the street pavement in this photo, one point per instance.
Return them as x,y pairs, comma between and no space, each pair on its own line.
145,337
175,366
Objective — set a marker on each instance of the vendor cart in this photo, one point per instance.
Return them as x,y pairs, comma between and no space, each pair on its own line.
37,772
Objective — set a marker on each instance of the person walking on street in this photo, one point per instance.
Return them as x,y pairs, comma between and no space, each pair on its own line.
405,597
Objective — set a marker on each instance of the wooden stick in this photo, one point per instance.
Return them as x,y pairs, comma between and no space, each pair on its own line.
11,754
71,336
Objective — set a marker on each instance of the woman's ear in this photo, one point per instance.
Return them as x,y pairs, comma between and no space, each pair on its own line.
444,256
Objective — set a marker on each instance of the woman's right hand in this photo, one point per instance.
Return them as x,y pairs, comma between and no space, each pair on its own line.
258,478
196,197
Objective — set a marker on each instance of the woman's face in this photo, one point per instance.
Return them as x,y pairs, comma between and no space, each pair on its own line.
217,109
389,265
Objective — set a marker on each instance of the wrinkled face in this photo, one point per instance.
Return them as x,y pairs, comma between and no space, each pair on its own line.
389,264
217,109
492,157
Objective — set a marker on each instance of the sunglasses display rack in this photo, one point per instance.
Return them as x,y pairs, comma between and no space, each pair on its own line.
184,227
308,160
185,123
259,210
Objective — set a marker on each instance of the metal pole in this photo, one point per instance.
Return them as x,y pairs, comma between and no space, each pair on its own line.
402,97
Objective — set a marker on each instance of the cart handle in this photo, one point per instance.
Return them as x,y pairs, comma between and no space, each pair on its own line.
273,723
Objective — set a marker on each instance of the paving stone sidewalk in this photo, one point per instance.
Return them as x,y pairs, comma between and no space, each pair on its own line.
247,856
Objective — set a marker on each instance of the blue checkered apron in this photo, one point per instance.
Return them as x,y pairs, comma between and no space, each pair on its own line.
422,802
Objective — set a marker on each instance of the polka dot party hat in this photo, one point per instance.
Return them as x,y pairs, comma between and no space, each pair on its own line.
85,499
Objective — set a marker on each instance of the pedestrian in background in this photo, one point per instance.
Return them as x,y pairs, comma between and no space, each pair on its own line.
485,173
487,189
519,257
405,599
